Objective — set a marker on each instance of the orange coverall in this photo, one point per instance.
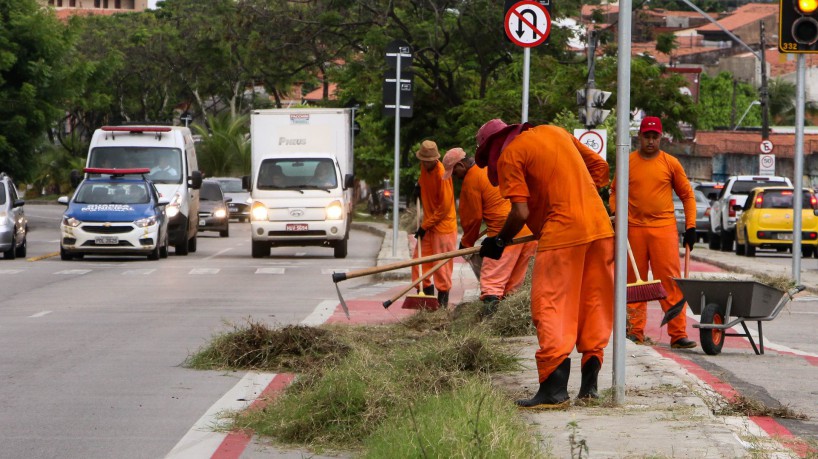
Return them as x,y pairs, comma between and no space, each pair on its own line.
572,284
653,235
481,201
440,223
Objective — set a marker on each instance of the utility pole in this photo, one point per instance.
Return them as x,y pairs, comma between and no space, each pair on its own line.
763,93
590,85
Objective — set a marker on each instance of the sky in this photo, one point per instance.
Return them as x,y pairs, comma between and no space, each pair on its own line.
151,3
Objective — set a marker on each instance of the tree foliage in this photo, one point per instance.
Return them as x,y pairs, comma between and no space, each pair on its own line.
716,102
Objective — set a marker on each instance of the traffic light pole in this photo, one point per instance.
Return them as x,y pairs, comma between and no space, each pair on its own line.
798,172
763,91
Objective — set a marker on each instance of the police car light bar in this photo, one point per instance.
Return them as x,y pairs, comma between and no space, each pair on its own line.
138,129
101,170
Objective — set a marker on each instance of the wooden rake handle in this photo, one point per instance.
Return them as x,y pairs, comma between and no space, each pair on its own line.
338,277
414,284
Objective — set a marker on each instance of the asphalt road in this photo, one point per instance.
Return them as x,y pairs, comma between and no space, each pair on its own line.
93,349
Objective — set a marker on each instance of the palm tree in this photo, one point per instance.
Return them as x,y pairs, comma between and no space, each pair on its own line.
225,147
781,95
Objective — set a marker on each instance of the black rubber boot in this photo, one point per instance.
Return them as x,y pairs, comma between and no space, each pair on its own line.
490,303
443,298
590,374
553,391
430,290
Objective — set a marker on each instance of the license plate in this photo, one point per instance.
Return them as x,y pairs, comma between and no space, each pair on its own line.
106,240
297,227
785,236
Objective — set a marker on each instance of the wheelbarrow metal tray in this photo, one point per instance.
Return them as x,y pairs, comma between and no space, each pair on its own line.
751,299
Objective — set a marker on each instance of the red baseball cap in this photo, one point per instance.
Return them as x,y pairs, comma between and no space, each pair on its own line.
650,123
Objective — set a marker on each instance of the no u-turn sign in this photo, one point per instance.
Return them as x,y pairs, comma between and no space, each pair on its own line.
528,24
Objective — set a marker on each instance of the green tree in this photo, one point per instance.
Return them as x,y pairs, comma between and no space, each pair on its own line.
225,148
35,70
716,102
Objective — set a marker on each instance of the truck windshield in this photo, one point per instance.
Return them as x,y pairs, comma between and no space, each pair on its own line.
281,174
165,163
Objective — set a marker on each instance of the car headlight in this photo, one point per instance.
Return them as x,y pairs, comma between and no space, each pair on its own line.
174,207
220,213
144,222
259,211
71,221
249,201
335,210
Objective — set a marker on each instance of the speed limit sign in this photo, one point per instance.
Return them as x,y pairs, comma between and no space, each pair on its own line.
766,164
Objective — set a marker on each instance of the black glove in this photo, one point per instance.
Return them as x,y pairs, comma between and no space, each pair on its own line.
490,249
690,238
420,233
416,192
460,246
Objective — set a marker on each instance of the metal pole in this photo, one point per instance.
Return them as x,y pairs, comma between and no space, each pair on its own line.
797,196
591,84
623,146
396,192
765,109
526,68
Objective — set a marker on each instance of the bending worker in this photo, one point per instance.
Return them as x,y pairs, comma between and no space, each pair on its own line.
481,201
654,176
551,180
438,231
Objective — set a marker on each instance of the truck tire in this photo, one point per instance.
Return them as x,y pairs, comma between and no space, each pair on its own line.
727,239
713,241
340,248
260,249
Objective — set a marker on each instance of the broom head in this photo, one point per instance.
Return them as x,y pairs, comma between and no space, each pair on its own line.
421,301
641,291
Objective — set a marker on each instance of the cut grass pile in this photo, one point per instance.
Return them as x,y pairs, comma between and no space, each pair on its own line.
747,406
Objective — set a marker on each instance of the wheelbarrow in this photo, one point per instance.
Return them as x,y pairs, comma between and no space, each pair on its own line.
725,303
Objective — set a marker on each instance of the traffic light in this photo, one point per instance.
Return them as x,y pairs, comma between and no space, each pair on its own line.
798,26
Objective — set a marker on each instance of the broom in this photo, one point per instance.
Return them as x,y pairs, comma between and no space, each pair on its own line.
414,284
421,300
641,290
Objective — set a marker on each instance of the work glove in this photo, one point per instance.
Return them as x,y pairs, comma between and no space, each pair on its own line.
490,249
420,233
690,238
416,192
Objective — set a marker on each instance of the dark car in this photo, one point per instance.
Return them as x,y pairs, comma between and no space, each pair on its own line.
381,201
239,203
213,213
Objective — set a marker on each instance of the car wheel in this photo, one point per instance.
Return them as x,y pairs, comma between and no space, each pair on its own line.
155,253
749,250
191,244
11,253
727,241
163,252
340,248
260,249
21,251
225,233
65,256
181,249
741,248
712,339
713,241
806,251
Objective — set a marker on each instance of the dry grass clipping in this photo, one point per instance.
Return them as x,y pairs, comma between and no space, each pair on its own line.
746,406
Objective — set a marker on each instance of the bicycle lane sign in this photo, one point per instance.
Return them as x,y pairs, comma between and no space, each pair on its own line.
595,139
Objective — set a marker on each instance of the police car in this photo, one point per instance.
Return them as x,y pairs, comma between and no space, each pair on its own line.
115,213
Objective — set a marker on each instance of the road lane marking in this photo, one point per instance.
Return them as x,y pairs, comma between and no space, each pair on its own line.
201,440
321,313
137,272
331,271
270,271
10,271
39,314
204,271
71,272
218,253
43,257
300,254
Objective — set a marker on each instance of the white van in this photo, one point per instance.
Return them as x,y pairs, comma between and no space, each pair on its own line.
169,153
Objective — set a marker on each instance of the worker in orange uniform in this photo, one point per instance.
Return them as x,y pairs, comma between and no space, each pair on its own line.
654,176
552,181
438,230
481,201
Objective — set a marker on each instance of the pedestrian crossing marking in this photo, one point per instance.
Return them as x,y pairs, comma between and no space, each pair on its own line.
137,272
270,271
204,271
10,271
71,272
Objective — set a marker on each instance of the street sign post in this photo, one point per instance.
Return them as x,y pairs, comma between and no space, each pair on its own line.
390,94
527,24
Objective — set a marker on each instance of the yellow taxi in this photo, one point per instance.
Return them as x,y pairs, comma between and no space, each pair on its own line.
766,221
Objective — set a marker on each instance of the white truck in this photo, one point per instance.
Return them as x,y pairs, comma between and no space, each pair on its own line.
301,182
726,207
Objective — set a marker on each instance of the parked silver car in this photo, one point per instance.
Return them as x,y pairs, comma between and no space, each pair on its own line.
13,221
702,216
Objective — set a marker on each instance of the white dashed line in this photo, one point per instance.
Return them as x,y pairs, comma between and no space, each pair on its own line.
218,253
39,314
73,272
10,271
204,271
137,272
270,271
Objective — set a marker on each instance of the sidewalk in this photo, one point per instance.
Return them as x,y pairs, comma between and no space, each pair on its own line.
669,401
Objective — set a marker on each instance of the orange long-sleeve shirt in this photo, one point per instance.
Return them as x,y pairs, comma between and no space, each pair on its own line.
437,197
558,177
481,201
650,191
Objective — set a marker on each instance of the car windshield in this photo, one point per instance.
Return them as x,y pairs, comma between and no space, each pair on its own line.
745,186
210,192
782,199
112,193
279,174
231,186
165,164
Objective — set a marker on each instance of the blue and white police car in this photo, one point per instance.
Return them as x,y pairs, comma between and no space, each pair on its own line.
115,213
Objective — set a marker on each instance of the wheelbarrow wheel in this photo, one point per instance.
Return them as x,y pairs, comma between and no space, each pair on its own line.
712,339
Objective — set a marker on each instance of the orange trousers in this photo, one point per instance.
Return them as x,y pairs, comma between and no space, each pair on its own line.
503,276
572,295
657,248
431,244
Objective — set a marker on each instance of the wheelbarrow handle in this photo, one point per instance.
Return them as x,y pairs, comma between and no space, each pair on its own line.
338,277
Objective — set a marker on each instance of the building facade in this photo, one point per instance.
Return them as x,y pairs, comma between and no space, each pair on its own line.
128,5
